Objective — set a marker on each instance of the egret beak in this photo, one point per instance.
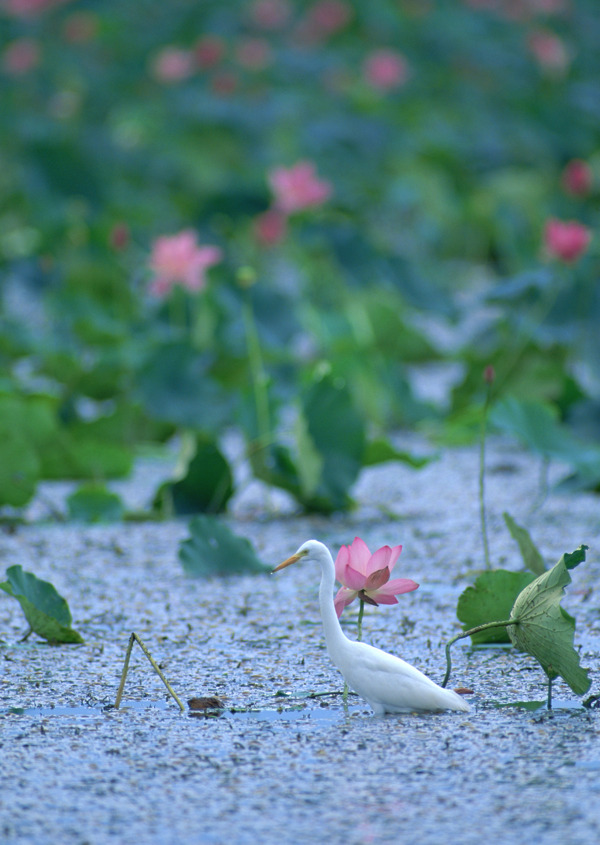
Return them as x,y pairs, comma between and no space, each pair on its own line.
288,562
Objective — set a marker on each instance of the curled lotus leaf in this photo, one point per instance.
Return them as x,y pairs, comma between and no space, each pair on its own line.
544,629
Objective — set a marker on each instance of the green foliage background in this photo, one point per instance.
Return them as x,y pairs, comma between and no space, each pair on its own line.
441,190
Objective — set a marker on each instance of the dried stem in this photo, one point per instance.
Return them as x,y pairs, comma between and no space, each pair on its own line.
134,638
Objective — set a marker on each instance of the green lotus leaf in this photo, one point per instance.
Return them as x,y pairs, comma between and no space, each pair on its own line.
46,611
544,629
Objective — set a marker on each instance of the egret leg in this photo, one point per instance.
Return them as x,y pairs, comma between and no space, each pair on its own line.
549,701
135,639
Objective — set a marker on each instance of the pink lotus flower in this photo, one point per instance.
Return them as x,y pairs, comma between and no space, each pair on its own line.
323,19
177,259
549,50
577,178
329,16
566,240
208,51
367,576
172,64
81,27
489,374
298,187
271,14
520,10
385,69
29,8
119,237
253,53
270,227
224,83
20,56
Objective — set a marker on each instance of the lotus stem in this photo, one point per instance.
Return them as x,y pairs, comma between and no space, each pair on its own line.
258,375
469,633
482,514
361,611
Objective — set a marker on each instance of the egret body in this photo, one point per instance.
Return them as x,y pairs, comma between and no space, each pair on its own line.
386,682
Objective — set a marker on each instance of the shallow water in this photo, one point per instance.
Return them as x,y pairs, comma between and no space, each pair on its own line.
317,715
285,760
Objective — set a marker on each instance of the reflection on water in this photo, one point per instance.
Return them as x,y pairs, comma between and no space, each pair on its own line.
538,705
85,709
319,715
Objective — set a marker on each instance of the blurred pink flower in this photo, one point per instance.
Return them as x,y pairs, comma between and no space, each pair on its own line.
177,259
270,227
367,576
224,83
549,7
489,374
298,187
119,237
324,18
271,14
330,15
20,56
532,8
28,8
520,9
385,69
577,178
209,50
253,53
549,51
172,64
81,27
566,240
502,7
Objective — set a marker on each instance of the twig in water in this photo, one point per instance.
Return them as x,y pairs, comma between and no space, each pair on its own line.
135,639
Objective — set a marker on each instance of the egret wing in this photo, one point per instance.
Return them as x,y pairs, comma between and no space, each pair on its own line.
391,685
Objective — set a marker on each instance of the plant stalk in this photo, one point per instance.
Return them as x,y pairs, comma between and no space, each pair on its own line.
258,375
468,633
361,611
177,312
135,639
482,514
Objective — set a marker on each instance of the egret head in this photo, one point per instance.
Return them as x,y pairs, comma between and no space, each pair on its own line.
306,550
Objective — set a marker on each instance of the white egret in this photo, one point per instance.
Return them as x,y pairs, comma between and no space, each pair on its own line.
386,682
